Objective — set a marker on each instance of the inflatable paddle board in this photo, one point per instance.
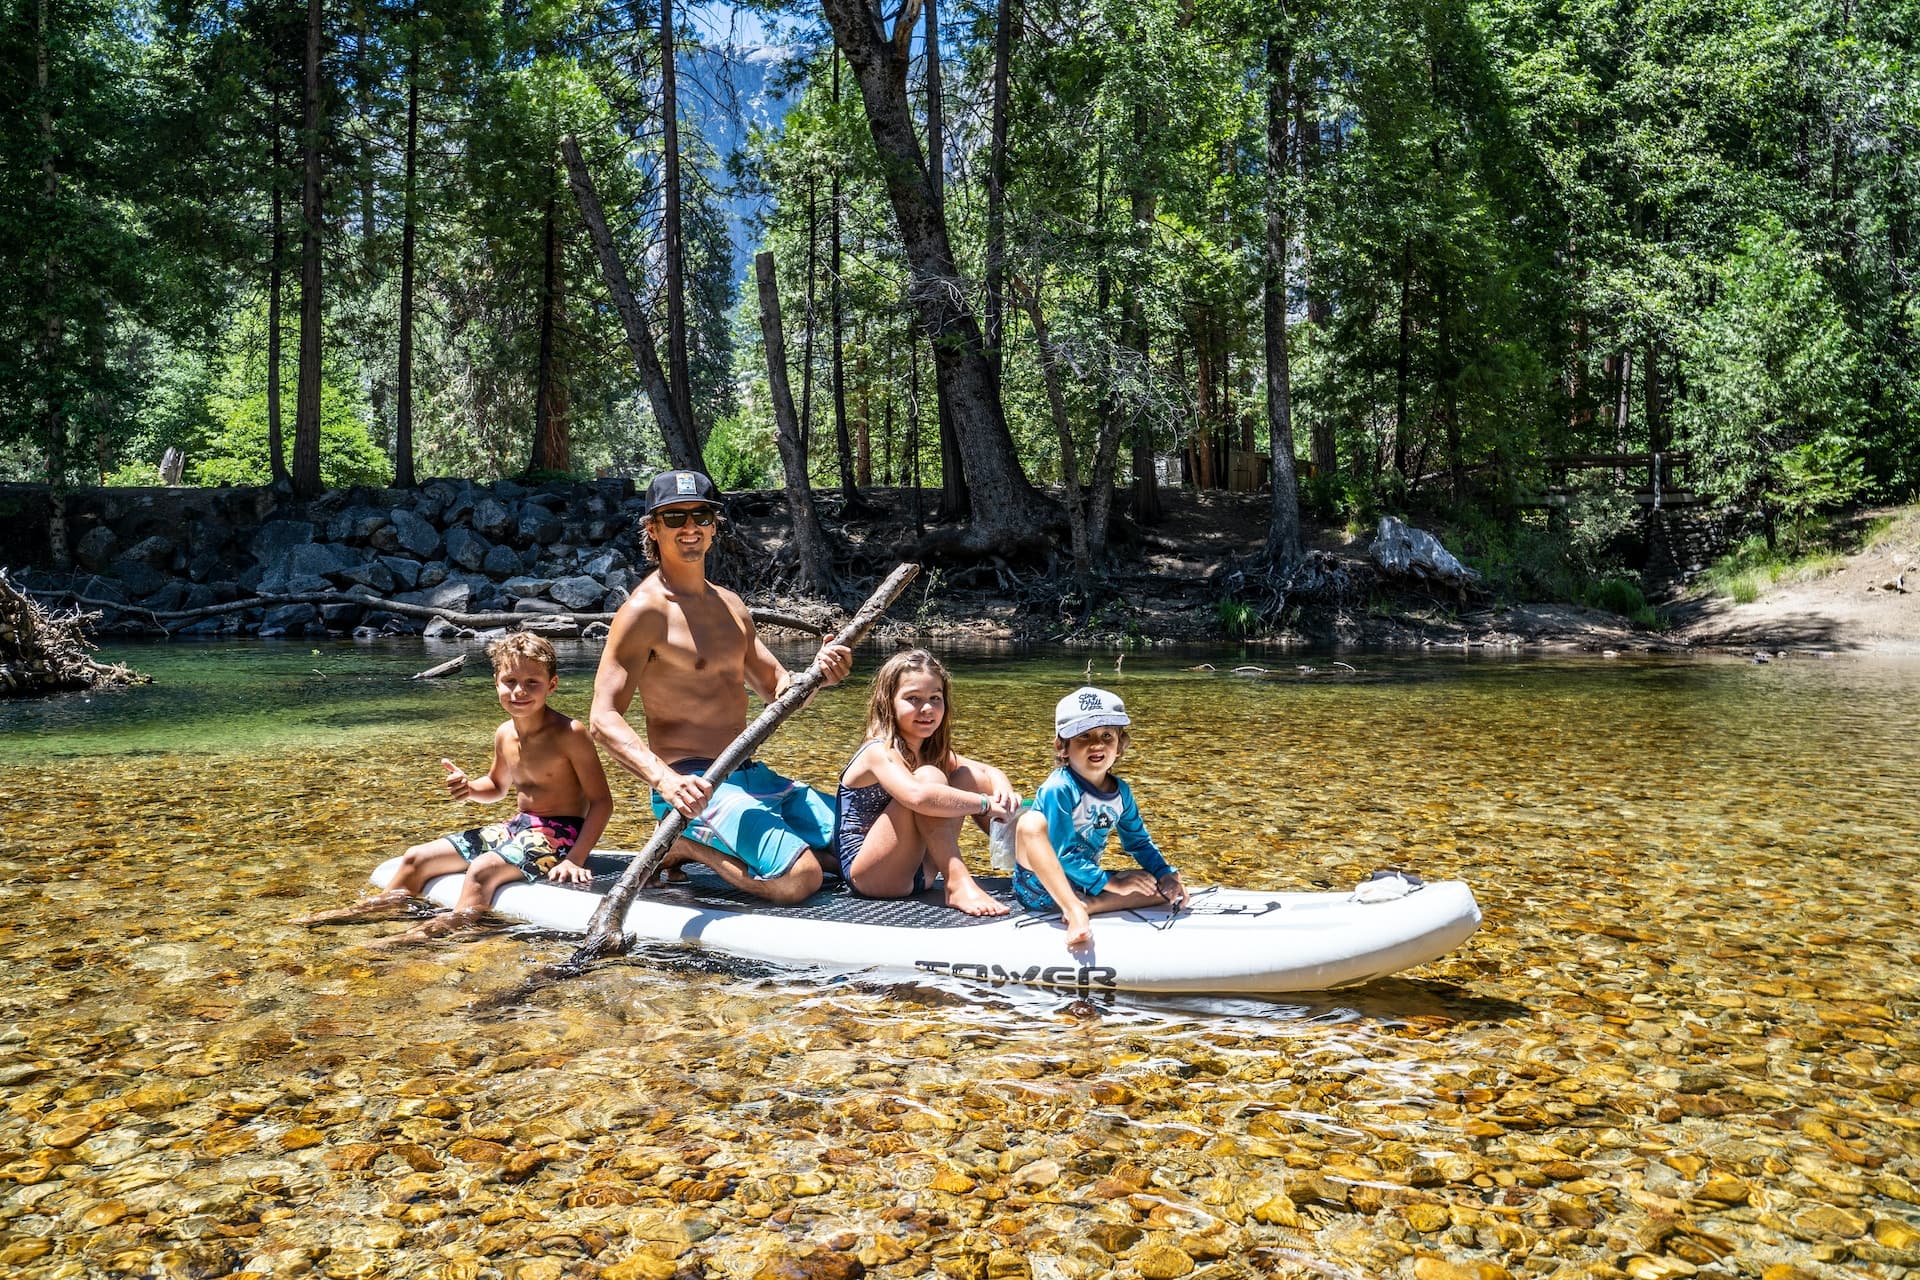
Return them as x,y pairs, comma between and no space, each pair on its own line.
1225,940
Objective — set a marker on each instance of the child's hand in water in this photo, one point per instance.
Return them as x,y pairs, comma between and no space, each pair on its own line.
567,871
457,785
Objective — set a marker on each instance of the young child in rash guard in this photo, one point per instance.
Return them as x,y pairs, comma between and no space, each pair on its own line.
544,757
1060,840
906,791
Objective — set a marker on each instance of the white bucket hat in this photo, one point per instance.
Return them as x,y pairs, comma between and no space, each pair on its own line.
1088,708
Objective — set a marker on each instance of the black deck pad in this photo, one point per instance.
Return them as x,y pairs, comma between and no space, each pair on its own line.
835,903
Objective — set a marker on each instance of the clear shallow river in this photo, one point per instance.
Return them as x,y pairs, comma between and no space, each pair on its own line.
1681,1044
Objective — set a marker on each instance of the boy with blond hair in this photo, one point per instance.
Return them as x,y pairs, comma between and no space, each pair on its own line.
549,762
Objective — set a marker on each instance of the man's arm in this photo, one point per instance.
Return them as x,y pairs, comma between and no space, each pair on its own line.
765,674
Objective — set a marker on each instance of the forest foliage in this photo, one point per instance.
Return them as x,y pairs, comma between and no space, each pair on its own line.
1504,241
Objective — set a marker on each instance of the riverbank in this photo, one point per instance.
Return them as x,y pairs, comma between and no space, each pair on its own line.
456,555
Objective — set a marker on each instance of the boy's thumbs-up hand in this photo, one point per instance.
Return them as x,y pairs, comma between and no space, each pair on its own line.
457,785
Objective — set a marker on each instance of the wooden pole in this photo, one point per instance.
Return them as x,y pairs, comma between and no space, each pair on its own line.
604,934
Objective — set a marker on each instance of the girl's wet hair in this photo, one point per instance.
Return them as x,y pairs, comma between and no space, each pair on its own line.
523,645
881,722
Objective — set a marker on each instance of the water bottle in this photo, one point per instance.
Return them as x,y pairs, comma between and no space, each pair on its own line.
1000,843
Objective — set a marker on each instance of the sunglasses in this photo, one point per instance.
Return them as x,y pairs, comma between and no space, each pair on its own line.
678,519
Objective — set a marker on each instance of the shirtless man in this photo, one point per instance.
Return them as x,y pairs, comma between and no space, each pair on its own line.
689,649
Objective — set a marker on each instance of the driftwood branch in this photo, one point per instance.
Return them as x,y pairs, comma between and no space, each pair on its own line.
42,652
160,617
446,668
604,935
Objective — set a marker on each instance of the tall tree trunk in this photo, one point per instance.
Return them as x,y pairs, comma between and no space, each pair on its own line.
276,268
1063,430
863,425
306,421
403,411
806,340
53,417
1135,337
1403,360
1308,142
810,540
997,183
955,502
1283,527
1008,512
552,443
842,443
1450,390
683,446
679,381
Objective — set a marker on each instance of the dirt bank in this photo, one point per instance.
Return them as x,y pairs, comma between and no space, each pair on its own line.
1866,601
1168,580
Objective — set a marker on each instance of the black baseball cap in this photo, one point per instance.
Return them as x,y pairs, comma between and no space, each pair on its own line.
671,488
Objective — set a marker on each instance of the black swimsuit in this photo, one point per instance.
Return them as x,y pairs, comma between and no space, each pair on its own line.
856,810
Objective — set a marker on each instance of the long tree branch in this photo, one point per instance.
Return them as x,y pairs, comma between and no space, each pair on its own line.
762,617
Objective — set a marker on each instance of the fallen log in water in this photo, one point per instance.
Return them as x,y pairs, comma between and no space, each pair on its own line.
43,652
472,621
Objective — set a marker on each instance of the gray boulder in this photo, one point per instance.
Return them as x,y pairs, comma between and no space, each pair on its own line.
431,575
501,562
356,524
441,629
167,598
467,548
539,526
460,510
558,627
526,588
406,573
288,620
577,592
492,518
620,581
156,551
321,560
454,597
434,496
416,537
275,538
137,578
533,604
374,575
604,563
95,550
508,490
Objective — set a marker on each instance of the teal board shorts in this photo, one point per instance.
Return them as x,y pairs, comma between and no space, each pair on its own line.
757,816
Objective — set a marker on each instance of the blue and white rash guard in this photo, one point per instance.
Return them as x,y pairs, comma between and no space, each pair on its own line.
1080,820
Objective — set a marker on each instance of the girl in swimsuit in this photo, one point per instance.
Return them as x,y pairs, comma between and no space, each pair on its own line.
906,791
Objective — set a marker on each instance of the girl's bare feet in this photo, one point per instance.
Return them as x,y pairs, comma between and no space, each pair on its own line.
966,895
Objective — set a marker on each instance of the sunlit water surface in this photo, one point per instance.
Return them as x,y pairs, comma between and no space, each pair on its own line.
1680,1044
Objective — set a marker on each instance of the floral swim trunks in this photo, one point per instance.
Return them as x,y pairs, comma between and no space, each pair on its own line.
527,841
